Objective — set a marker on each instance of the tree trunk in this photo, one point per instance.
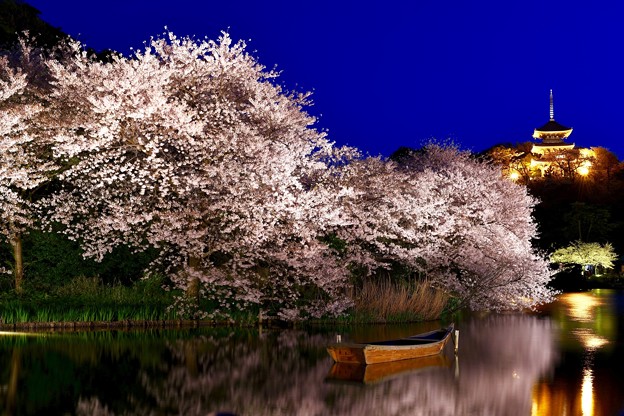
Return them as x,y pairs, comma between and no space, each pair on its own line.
192,290
16,243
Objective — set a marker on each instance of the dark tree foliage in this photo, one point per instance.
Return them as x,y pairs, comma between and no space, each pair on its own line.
52,260
17,17
402,155
592,211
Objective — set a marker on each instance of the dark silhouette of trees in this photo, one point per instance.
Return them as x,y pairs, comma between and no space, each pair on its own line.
17,17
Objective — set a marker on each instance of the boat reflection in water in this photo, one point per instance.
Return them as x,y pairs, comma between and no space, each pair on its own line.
273,373
375,373
501,358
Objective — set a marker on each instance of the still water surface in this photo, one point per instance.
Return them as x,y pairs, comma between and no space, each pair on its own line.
566,360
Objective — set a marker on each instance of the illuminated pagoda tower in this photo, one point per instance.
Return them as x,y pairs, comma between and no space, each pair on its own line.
552,135
553,155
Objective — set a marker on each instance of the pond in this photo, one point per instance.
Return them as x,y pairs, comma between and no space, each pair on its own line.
568,359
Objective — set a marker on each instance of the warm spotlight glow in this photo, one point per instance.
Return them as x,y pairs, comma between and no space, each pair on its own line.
587,393
587,153
594,342
514,176
581,306
589,339
583,171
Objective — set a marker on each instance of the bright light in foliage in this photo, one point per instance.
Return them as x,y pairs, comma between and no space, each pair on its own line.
583,171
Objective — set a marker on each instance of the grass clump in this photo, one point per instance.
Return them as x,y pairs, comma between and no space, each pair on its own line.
388,301
87,299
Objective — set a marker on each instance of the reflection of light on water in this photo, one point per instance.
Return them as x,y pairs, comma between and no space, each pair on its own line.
534,407
587,393
590,340
580,306
21,334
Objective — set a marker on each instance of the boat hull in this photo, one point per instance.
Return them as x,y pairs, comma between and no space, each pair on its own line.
382,352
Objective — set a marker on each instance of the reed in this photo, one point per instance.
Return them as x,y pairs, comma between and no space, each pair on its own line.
388,301
85,299
14,315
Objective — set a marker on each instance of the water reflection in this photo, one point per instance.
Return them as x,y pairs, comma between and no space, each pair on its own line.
580,306
565,361
588,379
587,393
590,318
275,373
376,373
506,357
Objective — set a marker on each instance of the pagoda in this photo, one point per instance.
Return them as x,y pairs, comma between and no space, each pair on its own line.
552,155
552,135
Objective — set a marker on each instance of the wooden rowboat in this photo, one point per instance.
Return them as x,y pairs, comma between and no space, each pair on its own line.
420,345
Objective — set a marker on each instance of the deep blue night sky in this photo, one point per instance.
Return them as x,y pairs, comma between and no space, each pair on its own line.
396,73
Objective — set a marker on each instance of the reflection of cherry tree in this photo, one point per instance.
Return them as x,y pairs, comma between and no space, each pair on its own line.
264,375
502,358
92,406
283,373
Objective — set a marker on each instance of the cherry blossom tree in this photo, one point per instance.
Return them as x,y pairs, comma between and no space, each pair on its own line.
487,256
450,218
25,142
191,146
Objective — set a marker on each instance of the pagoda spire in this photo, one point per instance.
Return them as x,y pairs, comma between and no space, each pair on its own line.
552,133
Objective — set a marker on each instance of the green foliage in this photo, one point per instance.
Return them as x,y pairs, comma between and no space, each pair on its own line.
335,243
86,299
51,260
585,254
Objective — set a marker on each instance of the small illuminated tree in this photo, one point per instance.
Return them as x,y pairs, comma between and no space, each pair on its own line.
586,254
